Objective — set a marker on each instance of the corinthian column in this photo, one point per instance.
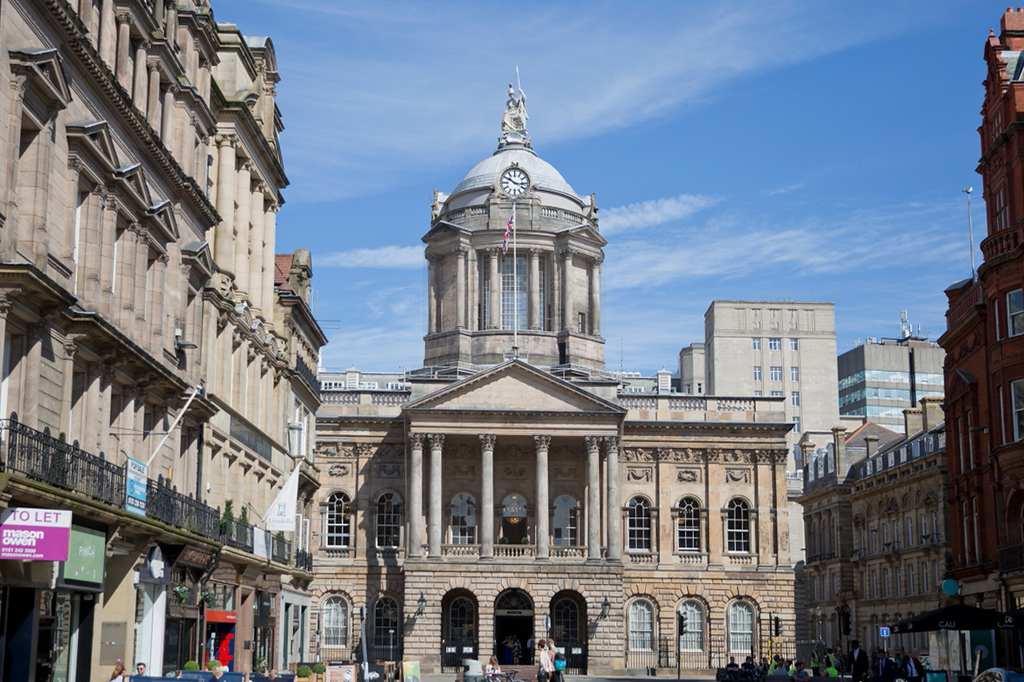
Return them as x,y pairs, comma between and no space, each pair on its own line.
612,502
416,494
595,296
460,287
434,521
542,443
535,313
487,441
242,218
257,274
224,243
567,255
593,498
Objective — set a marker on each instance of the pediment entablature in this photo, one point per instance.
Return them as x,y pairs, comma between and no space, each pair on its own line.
132,179
44,77
162,217
586,233
442,229
197,256
92,143
514,386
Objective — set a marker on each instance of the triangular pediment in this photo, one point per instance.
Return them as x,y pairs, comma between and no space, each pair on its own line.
586,233
443,229
95,139
46,76
514,386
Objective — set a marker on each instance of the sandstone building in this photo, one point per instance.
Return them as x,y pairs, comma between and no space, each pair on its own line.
512,487
877,527
153,369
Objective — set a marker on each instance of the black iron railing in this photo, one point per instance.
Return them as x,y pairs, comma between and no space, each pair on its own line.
236,534
307,374
304,560
454,651
280,549
182,511
40,456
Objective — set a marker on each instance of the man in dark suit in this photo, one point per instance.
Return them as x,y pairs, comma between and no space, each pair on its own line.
884,669
858,662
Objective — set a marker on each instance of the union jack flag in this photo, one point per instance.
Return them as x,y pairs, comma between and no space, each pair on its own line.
509,226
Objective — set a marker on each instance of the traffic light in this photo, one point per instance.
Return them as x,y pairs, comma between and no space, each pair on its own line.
845,622
682,623
778,626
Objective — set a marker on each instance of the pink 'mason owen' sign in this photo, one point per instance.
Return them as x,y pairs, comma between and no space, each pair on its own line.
35,534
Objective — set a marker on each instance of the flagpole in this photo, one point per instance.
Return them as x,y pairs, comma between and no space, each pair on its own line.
515,285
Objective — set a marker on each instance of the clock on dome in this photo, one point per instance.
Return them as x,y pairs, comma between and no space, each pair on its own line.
514,182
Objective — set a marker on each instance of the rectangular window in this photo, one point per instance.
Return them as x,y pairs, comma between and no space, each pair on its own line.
1015,313
794,345
776,394
910,579
775,373
924,578
885,582
513,294
757,394
757,374
794,398
774,344
794,374
796,424
1000,219
756,344
1018,409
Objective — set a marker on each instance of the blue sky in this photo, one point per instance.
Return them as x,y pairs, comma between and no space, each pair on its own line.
742,150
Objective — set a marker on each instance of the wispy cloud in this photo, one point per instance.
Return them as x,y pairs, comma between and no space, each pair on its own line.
737,245
387,257
653,212
784,190
359,81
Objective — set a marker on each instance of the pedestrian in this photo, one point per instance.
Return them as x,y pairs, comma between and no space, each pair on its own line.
530,644
118,674
517,650
910,669
272,675
492,668
545,666
506,650
140,669
858,662
883,670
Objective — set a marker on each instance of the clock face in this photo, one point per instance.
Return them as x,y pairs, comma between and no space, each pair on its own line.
514,182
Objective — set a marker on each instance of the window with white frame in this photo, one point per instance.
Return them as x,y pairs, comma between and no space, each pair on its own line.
741,627
641,626
774,344
737,526
338,521
688,526
389,521
463,520
794,344
999,214
757,372
794,374
693,638
794,398
796,425
1018,409
1015,313
756,343
565,521
639,524
776,394
775,373
334,623
386,625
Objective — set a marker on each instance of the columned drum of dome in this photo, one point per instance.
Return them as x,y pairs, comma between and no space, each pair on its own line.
478,301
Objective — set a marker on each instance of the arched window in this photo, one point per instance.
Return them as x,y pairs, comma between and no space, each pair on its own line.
639,524
461,620
693,638
566,621
741,628
338,520
335,624
386,632
513,519
565,522
688,526
737,526
389,521
463,520
641,626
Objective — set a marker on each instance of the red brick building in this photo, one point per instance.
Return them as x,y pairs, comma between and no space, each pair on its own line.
984,345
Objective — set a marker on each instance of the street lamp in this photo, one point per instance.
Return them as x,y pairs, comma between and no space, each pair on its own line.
606,608
421,605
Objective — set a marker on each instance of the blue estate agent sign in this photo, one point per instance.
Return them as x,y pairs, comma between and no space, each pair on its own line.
883,632
135,487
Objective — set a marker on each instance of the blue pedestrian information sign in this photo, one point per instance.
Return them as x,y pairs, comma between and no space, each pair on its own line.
883,632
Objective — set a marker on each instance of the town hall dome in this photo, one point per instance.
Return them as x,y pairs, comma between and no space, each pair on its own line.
542,173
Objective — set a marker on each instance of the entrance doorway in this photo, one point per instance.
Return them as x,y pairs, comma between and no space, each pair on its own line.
513,621
513,520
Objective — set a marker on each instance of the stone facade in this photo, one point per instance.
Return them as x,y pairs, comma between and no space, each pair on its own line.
877,531
513,486
125,323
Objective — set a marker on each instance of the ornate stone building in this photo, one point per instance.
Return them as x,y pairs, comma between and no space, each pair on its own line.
511,486
877,527
147,378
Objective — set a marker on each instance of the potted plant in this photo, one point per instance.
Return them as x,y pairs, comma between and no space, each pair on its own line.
319,669
503,540
191,665
181,592
524,541
208,596
303,672
214,664
259,665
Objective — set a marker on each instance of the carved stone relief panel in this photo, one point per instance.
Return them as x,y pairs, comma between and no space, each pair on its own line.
464,470
639,474
513,472
340,469
688,475
733,475
389,470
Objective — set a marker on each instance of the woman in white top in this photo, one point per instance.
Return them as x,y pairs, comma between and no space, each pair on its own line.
545,663
492,667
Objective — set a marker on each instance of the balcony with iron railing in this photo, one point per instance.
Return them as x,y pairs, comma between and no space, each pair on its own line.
236,534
